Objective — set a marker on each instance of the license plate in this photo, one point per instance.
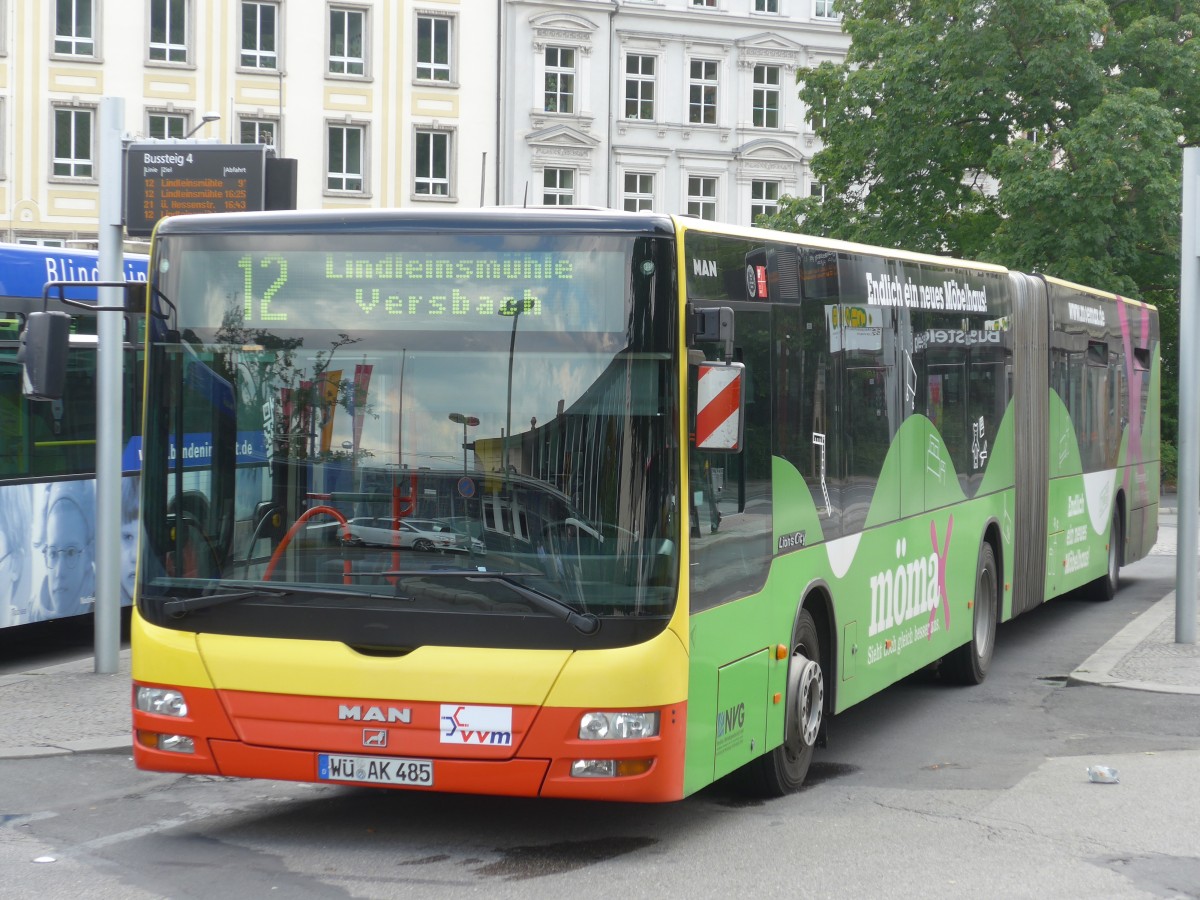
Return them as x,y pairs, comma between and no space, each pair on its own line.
375,769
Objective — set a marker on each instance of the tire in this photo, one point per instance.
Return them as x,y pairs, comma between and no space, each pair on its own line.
969,663
782,771
1105,587
422,545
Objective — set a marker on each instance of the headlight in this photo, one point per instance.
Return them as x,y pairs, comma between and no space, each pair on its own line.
618,726
161,701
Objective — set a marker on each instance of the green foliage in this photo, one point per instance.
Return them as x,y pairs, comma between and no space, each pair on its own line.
1044,135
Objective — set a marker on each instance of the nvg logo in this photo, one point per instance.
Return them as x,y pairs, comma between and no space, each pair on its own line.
731,719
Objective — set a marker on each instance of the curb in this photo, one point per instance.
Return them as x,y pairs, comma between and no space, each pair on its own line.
1097,668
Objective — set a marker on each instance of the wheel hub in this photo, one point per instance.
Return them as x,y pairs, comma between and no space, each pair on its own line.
806,693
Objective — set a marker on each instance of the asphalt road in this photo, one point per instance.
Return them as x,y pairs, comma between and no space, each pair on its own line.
924,791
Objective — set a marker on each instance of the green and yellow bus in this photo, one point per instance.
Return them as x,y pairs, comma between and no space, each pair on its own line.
571,503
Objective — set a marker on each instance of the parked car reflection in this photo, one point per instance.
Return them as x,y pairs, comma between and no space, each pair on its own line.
423,535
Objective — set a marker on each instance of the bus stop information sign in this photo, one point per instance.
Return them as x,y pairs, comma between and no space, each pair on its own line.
172,178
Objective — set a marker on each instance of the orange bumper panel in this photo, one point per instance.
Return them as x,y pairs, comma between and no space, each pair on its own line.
514,778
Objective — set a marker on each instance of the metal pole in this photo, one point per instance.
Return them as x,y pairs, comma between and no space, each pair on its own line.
1189,400
109,365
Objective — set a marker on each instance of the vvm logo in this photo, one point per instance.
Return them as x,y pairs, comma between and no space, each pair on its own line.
488,725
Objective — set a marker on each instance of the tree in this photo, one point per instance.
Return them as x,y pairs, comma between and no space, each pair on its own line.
1044,135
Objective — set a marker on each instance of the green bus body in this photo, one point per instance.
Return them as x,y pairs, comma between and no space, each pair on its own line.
1041,438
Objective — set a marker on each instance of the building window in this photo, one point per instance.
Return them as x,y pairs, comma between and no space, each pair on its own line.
260,30
702,197
639,87
823,9
558,187
638,194
169,31
816,189
764,199
166,125
75,28
432,176
345,167
347,54
42,241
433,48
560,80
73,152
766,97
258,131
708,4
768,6
702,92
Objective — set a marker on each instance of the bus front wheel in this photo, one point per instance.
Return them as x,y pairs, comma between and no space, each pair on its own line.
782,770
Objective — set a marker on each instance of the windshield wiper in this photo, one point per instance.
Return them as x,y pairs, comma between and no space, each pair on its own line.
584,623
179,605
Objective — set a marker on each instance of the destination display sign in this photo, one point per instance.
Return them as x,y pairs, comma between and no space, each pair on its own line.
177,178
581,289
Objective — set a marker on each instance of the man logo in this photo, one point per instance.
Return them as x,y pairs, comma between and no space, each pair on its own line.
391,715
374,737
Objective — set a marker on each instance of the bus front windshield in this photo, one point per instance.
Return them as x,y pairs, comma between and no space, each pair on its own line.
400,439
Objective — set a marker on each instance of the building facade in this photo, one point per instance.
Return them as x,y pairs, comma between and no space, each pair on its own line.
680,106
675,105
381,102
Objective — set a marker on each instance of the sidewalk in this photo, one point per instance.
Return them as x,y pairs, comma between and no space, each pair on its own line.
70,709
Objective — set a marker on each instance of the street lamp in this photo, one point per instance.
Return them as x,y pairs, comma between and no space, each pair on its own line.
464,421
513,308
204,120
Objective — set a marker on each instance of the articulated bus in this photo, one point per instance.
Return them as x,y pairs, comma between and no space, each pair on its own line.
48,448
599,505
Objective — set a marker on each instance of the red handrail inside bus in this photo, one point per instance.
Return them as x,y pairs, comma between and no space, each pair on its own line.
287,539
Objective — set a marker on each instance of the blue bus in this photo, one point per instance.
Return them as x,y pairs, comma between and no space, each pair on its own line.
48,448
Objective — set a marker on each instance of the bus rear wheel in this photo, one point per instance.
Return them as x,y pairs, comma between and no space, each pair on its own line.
969,663
783,770
1105,587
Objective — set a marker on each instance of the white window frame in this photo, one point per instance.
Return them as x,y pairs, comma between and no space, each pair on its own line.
560,72
699,200
639,197
73,44
78,113
431,71
425,184
258,122
33,240
261,60
823,9
766,6
346,175
816,189
184,120
170,51
640,81
345,60
704,4
765,96
700,106
554,191
761,203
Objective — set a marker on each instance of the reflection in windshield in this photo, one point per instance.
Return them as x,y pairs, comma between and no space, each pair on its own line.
374,462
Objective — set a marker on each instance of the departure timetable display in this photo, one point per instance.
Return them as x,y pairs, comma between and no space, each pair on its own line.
176,178
435,290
